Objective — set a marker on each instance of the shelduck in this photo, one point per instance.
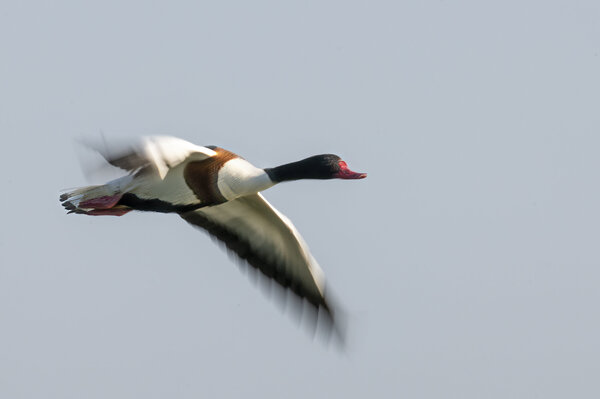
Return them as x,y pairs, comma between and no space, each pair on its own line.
218,191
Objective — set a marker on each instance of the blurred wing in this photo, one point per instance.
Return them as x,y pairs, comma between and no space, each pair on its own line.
268,241
158,154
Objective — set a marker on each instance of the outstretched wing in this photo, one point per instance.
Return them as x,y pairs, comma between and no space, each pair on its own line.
157,154
268,241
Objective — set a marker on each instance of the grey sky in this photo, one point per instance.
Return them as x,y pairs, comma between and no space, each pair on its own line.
467,261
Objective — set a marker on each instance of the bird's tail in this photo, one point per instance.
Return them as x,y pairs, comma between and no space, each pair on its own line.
94,200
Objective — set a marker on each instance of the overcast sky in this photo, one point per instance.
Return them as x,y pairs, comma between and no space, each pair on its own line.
468,262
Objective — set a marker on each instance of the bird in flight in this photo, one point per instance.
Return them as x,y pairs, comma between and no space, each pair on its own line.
219,192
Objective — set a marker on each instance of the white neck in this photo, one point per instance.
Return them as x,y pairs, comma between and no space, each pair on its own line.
239,177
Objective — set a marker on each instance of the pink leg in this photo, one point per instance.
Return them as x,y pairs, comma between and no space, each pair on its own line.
110,211
105,202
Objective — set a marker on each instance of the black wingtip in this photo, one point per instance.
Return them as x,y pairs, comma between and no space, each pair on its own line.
69,206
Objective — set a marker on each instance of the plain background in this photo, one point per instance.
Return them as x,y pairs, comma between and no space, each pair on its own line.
468,260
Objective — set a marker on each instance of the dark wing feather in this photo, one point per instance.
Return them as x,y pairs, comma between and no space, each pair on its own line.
255,231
